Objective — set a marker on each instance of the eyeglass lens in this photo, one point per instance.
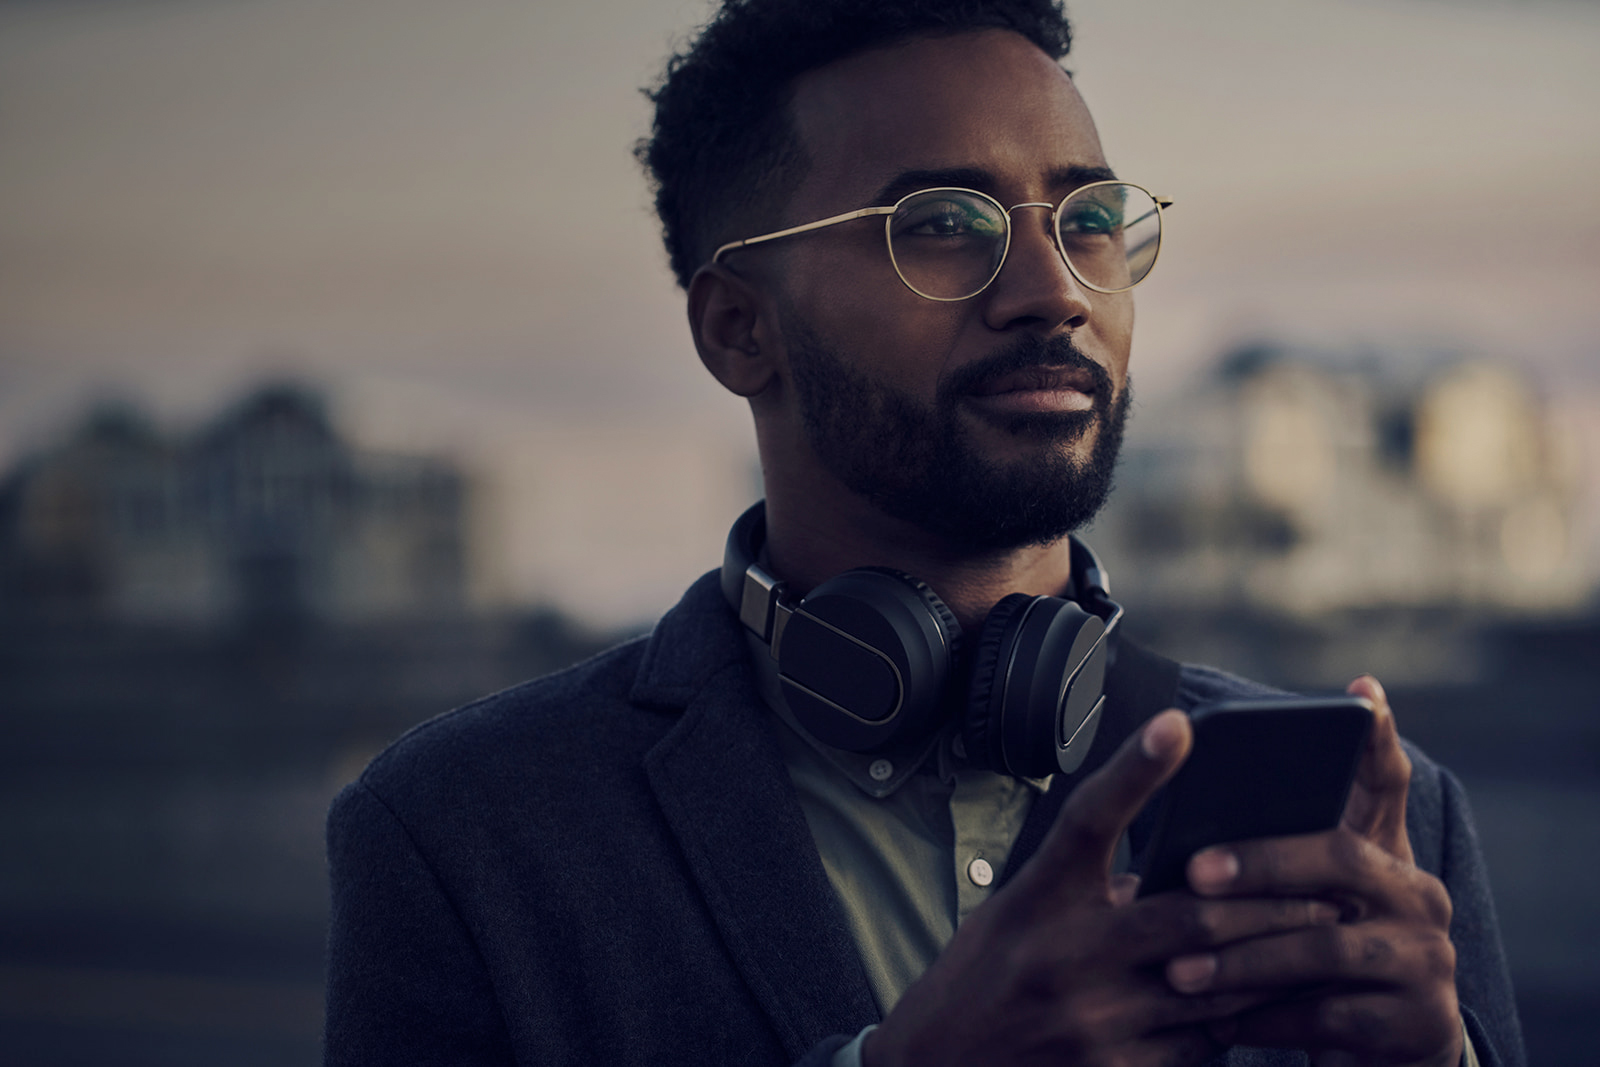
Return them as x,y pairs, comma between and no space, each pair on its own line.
948,244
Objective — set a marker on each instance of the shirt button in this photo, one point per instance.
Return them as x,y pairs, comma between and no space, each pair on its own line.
980,872
880,770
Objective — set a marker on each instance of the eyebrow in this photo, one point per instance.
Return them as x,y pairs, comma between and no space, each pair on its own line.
910,181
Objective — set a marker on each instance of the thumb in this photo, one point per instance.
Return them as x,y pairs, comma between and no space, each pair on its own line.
1076,855
1377,806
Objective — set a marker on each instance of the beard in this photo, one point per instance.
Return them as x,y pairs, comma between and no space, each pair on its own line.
921,465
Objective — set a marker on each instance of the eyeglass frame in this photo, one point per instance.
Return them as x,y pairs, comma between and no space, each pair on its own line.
1160,202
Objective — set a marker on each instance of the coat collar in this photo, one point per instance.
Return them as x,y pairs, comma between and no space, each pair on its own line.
725,793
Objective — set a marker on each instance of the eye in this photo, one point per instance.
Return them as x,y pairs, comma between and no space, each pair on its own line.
948,216
1090,217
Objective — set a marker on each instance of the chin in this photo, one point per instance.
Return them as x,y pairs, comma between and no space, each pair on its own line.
1069,434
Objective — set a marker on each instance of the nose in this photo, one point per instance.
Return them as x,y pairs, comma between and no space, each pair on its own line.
1034,286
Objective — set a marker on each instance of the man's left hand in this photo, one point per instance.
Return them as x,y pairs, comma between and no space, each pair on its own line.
1378,987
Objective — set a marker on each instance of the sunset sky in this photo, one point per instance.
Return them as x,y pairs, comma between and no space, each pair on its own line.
431,208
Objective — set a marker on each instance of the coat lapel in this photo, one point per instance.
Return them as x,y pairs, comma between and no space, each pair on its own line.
726,795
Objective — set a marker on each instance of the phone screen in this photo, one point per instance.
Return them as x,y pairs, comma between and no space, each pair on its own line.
1259,768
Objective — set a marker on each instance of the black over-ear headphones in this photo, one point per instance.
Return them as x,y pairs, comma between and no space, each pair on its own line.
865,659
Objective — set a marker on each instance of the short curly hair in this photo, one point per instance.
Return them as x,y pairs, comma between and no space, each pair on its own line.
724,148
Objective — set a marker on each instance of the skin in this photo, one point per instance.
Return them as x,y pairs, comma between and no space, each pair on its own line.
1334,942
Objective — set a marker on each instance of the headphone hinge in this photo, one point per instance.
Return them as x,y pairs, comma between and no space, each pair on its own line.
781,614
757,601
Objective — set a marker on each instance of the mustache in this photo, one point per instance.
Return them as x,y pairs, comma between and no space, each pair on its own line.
1026,352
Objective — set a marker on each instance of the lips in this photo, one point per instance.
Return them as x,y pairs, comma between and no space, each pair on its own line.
1038,380
1032,382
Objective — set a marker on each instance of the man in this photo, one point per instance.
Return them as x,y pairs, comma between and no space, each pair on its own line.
650,858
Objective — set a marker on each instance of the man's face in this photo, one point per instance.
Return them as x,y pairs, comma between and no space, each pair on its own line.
992,422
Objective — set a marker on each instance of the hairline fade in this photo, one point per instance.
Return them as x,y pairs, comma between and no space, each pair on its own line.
724,153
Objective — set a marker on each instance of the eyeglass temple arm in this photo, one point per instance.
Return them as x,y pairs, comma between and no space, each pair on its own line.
1162,203
834,221
1141,218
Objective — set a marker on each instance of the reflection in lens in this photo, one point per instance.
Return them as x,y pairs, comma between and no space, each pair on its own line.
1110,233
947,244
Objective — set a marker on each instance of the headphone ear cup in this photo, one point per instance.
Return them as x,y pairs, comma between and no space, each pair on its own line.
949,629
1046,669
980,726
866,658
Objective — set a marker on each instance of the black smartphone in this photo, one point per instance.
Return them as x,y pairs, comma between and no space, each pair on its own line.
1258,768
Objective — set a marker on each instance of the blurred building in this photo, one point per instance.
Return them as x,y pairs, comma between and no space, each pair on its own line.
1296,485
266,513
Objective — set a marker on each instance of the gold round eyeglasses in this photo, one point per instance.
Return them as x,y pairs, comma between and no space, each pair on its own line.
948,244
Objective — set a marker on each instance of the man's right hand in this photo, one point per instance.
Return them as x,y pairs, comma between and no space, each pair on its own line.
1063,966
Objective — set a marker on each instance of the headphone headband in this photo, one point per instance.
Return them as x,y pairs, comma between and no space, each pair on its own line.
756,596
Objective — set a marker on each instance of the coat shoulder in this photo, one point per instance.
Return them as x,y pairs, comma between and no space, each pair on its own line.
546,728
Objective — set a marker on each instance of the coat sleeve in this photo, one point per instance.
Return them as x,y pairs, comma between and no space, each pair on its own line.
1483,982
406,983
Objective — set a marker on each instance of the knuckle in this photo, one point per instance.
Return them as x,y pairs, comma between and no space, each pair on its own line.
1095,1019
1263,861
1332,1016
1439,957
1176,927
1078,828
1436,903
1347,850
1339,949
1375,952
1032,973
1402,764
1358,1021
1206,922
1145,925
1444,1008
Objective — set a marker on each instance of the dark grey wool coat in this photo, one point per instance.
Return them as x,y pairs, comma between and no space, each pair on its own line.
610,866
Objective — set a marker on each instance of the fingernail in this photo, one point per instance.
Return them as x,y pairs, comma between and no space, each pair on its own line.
1191,974
1213,870
1373,689
1163,735
1378,694
1323,913
1124,889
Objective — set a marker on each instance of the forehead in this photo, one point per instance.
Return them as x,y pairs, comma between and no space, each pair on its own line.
986,101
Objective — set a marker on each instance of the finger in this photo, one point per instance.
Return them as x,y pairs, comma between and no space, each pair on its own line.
1076,855
1140,1005
1171,924
1124,889
1377,805
1166,1010
1367,954
1374,1026
1337,865
1183,1047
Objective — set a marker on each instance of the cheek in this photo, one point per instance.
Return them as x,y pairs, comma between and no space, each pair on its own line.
866,314
1113,325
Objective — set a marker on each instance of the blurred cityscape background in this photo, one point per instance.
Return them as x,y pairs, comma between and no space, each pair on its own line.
342,381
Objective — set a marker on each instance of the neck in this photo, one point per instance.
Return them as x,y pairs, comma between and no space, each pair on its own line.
811,540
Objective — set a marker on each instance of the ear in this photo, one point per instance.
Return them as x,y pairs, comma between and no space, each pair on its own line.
733,330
